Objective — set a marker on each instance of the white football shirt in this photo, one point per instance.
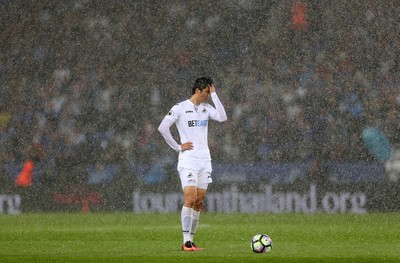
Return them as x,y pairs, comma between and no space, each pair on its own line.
192,124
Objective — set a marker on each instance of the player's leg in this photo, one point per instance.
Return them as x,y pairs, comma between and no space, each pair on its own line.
201,192
189,186
189,196
204,179
189,199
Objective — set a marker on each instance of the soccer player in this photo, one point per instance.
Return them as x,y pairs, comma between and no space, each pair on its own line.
194,163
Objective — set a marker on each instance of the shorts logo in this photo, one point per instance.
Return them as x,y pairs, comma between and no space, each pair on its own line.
190,178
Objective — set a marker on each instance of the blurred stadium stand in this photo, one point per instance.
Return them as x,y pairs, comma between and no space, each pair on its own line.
87,82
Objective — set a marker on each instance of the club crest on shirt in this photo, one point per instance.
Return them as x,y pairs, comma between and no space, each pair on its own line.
204,110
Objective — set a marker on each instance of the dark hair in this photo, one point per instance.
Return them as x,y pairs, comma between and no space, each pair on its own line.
201,83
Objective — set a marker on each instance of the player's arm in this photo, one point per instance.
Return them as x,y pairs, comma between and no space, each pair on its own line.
219,114
165,131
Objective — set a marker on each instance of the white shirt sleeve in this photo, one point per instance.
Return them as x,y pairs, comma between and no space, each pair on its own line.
219,114
165,125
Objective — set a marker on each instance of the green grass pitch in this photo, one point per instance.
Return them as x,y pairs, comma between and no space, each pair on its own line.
129,237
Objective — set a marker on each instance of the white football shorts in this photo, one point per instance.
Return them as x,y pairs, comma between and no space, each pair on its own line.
195,174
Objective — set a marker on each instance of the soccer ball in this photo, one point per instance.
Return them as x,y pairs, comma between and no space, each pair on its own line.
261,243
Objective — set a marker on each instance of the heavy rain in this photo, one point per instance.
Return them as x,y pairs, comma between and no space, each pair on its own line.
311,90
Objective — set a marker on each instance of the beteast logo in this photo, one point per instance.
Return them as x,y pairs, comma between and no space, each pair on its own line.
197,123
189,111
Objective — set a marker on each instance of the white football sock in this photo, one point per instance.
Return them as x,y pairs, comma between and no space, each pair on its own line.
186,220
195,223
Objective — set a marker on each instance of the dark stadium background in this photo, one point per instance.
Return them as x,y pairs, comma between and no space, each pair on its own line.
84,85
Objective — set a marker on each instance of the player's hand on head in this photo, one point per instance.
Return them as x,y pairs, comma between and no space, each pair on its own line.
212,88
187,146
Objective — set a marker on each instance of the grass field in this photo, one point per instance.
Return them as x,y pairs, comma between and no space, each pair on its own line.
128,237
